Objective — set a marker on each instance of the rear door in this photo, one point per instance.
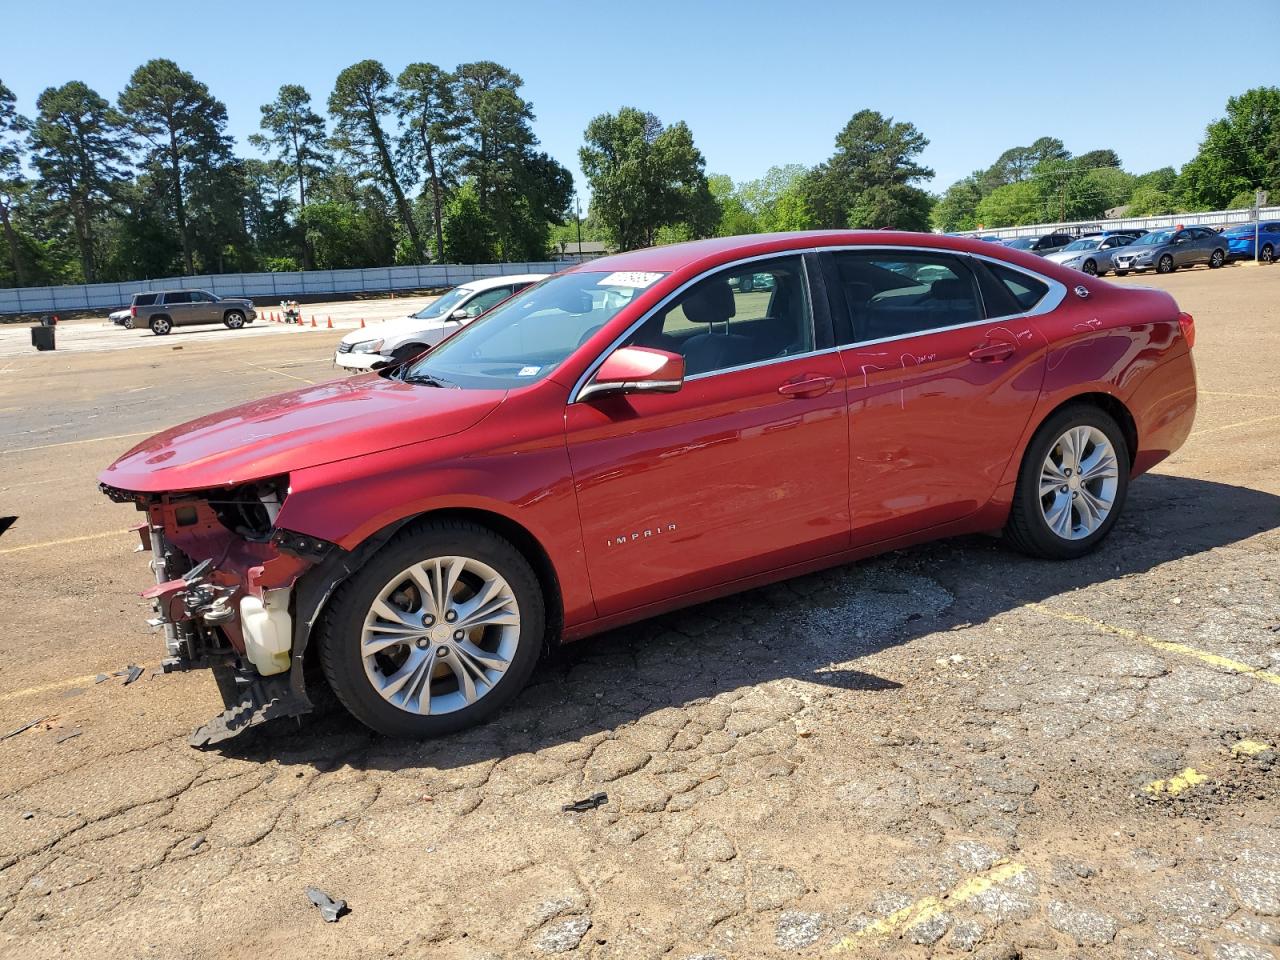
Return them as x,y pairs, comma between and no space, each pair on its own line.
941,380
204,308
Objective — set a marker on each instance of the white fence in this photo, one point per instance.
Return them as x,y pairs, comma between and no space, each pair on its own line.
265,286
1214,218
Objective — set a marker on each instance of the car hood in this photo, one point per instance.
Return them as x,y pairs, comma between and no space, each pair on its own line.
392,329
1062,256
303,428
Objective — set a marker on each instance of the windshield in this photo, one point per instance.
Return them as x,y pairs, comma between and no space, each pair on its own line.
525,338
1153,239
1022,243
444,306
1082,245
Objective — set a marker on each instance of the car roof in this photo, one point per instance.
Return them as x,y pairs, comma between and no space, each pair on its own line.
488,283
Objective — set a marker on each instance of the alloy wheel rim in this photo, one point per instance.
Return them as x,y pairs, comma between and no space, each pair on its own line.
1267,254
1090,269
162,326
1078,483
1166,263
440,635
1217,259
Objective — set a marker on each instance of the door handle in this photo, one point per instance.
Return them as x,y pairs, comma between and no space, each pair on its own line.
807,387
992,352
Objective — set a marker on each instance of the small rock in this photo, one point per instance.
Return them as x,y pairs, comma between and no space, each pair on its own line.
966,935
1089,927
930,930
27,815
563,935
797,930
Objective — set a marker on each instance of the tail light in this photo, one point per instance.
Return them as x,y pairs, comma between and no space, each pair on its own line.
1188,325
133,311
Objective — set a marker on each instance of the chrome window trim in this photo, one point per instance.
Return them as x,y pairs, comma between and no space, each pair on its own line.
575,395
1052,299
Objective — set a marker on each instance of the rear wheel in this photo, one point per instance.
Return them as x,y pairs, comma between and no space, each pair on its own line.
160,326
1217,259
436,633
1165,265
1072,485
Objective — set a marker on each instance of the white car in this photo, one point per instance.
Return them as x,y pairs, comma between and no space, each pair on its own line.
122,318
408,336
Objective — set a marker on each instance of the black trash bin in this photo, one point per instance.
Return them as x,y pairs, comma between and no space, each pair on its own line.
42,337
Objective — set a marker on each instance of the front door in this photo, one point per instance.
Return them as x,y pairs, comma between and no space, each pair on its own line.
743,470
940,387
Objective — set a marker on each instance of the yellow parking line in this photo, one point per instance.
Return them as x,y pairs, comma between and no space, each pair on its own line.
1168,646
1248,748
72,443
930,907
1243,396
1233,426
46,687
59,543
1185,780
258,366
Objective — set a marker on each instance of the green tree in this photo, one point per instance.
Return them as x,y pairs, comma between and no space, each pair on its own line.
1021,202
76,147
362,102
520,190
295,136
12,183
870,179
957,208
645,177
428,105
1240,152
776,200
348,223
468,234
735,218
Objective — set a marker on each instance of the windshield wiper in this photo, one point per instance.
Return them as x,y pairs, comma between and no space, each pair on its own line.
426,380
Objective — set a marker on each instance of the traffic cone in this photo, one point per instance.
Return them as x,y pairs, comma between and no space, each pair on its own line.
313,320
330,323
362,323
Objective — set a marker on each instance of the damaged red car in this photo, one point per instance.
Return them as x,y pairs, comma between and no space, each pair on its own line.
640,433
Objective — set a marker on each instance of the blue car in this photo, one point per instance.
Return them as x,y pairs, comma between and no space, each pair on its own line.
1240,245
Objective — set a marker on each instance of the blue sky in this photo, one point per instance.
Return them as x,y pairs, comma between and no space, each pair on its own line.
759,83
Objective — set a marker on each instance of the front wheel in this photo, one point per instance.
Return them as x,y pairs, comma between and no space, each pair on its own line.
1090,268
1072,485
1267,254
1217,259
1165,265
436,633
234,319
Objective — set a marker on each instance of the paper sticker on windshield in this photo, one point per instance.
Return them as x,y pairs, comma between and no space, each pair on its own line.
630,278
528,371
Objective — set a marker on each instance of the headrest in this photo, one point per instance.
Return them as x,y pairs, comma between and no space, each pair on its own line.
710,302
572,300
950,290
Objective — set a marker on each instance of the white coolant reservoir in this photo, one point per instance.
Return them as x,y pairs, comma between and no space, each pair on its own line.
268,631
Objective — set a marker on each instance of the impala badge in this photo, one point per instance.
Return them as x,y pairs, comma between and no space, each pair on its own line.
654,531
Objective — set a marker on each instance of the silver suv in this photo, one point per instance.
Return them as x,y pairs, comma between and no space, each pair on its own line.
166,309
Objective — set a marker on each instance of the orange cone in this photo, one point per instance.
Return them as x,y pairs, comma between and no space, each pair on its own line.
313,320
362,323
330,323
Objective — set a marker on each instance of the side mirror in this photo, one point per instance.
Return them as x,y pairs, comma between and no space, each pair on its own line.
460,315
636,370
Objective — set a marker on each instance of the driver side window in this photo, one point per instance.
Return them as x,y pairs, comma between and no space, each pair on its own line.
745,315
483,302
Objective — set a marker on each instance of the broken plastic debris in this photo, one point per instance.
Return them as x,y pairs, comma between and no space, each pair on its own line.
330,909
100,677
28,815
197,843
587,803
132,674
69,735
22,729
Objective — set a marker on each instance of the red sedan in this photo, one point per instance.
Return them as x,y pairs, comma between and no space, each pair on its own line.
637,434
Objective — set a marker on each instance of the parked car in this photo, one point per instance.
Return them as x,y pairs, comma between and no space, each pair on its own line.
1166,250
1240,241
1091,255
640,433
166,309
397,340
1049,243
122,317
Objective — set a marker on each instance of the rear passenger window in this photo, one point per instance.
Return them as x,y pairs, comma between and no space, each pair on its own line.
144,299
900,293
1027,290
177,297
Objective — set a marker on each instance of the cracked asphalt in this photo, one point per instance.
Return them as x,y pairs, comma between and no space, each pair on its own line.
947,751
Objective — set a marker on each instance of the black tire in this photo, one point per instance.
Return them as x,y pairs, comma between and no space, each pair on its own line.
1090,268
1122,273
341,626
161,325
407,352
1217,259
1267,254
234,319
1166,264
1027,530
